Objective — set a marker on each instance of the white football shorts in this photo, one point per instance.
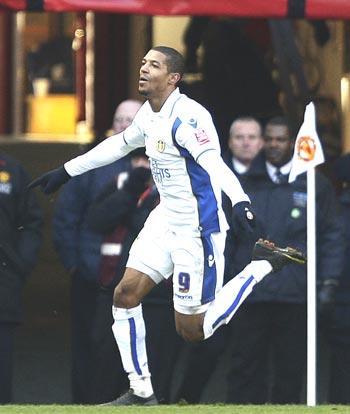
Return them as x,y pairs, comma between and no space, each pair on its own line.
196,263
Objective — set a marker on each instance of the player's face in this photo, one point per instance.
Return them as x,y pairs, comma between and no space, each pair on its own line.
154,80
278,144
245,140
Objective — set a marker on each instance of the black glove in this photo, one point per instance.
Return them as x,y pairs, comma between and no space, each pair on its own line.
138,181
243,217
51,181
326,300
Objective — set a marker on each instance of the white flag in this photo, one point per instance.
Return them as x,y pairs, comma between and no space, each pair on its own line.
307,150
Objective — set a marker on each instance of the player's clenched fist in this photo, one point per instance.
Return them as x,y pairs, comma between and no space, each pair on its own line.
243,217
51,181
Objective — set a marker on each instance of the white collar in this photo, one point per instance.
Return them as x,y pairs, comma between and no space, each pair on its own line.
271,169
238,166
167,109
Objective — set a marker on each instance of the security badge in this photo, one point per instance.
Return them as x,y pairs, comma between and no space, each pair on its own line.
4,177
295,213
160,145
300,202
5,184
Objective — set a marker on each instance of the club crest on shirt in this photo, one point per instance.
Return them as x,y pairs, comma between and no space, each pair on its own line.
201,136
160,145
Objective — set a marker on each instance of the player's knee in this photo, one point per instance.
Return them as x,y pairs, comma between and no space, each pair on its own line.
190,333
124,297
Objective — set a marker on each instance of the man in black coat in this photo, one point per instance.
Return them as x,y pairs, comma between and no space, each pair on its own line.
20,236
270,328
338,326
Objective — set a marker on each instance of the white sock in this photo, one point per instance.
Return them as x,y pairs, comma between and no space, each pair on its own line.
232,295
130,333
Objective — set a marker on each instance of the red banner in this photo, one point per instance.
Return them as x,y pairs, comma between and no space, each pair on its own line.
337,9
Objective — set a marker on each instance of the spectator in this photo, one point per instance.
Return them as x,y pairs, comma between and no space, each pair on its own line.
338,328
244,143
79,250
20,237
270,328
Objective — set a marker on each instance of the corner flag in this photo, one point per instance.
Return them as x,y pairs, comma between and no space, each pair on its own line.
307,154
307,150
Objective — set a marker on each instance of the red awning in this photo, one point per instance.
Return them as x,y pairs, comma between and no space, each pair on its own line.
317,9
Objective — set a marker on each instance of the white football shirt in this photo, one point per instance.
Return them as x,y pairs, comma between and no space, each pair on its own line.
175,138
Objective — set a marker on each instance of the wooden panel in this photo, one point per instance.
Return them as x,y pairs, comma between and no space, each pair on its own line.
52,114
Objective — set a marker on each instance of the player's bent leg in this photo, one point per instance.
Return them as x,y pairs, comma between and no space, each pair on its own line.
190,327
232,295
266,257
196,323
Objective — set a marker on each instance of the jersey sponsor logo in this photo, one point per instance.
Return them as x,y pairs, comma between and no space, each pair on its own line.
201,136
159,174
160,145
184,297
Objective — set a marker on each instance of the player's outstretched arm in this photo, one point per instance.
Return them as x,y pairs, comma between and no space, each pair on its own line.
51,181
108,151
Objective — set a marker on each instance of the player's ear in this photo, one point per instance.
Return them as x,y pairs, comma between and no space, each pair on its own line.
174,78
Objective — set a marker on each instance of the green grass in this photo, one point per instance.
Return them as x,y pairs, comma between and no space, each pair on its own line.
176,409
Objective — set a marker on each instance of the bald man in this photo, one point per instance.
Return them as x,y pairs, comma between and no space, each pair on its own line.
244,143
124,114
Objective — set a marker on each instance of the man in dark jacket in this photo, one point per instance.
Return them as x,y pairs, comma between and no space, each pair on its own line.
270,328
338,326
20,236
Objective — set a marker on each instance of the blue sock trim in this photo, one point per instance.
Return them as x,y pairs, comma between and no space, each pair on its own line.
133,345
235,302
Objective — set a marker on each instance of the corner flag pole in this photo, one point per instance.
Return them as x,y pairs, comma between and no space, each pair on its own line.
311,291
307,154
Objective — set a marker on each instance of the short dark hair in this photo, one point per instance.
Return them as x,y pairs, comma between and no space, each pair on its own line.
174,59
246,118
280,120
